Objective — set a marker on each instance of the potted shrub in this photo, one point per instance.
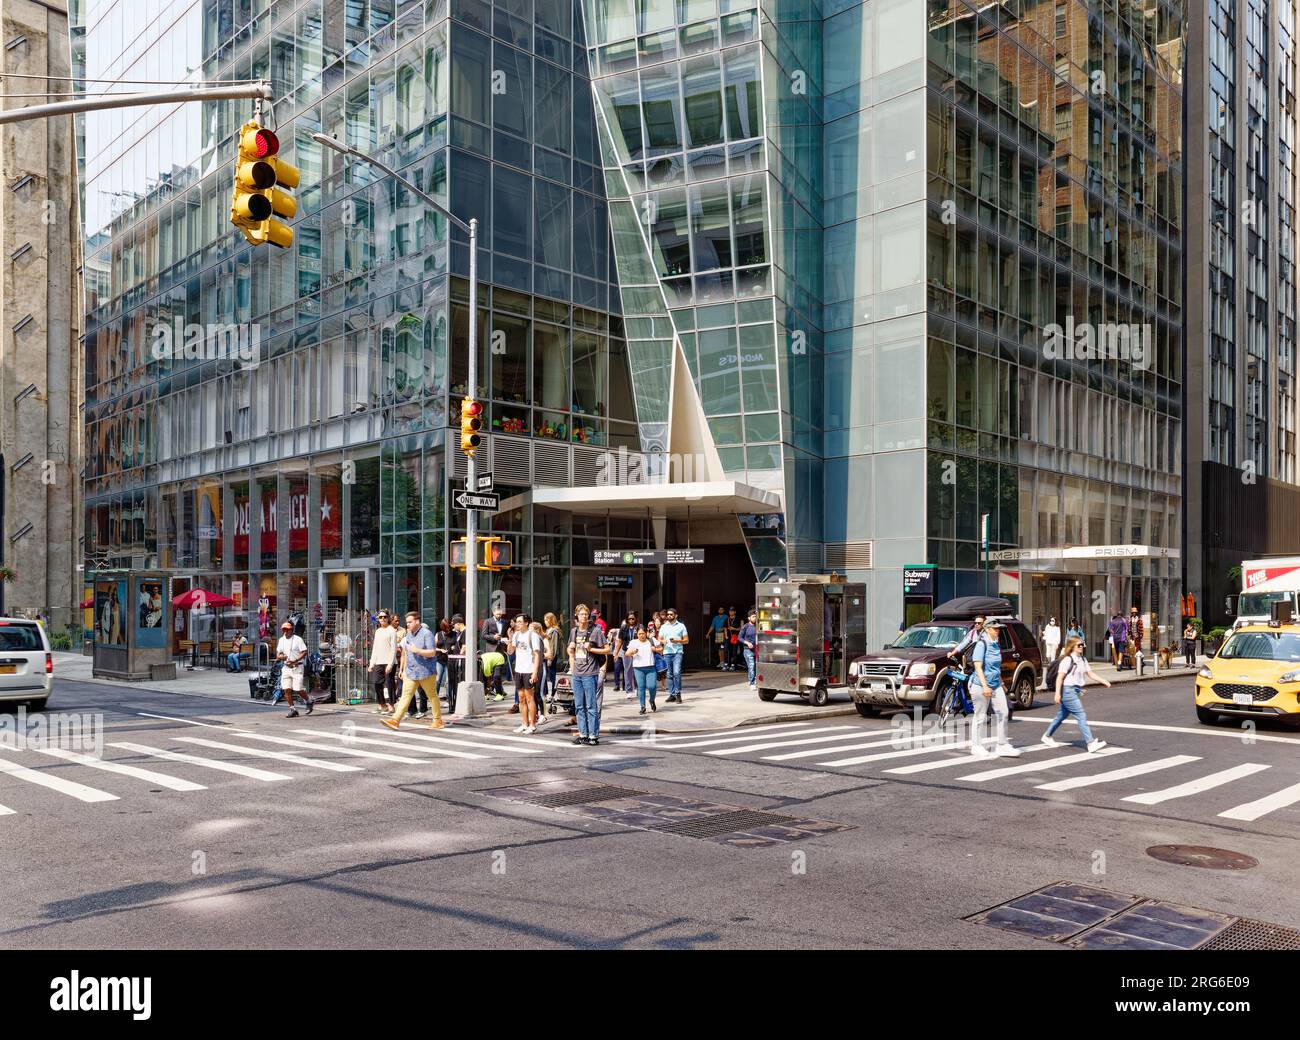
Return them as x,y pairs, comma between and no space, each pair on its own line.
1213,639
7,573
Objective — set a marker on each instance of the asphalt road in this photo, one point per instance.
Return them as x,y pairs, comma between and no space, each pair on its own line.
365,838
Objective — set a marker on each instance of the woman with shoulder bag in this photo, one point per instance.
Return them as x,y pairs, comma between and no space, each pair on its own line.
1072,672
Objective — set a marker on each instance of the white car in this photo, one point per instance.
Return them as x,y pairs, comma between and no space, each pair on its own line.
26,664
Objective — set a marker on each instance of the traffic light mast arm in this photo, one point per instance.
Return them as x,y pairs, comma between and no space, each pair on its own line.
260,90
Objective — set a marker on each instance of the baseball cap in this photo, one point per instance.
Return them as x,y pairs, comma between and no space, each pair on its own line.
288,625
992,624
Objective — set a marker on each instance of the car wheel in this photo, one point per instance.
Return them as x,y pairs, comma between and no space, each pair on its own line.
38,705
867,711
1024,695
818,696
1206,716
767,695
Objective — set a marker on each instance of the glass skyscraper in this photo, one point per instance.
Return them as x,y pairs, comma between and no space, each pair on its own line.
799,259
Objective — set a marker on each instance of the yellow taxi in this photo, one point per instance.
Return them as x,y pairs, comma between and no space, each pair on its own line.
1255,674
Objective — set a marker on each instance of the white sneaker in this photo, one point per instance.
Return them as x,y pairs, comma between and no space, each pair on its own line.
520,729
1049,741
631,696
529,729
1096,745
1007,751
980,751
753,688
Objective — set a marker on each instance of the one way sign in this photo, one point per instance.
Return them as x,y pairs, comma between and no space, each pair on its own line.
466,500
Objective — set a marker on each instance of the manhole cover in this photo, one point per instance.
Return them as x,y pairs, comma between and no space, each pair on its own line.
1202,856
726,823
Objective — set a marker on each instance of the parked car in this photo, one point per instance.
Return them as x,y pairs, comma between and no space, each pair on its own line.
26,664
1255,674
915,670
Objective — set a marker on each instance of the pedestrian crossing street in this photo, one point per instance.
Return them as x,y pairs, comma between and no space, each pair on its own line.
1246,791
199,755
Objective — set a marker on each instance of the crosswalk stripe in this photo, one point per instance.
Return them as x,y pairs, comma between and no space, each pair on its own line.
1205,783
907,753
282,756
172,783
6,811
691,739
854,733
1118,774
1033,767
892,741
55,783
463,733
963,760
436,737
350,739
208,763
314,746
1263,806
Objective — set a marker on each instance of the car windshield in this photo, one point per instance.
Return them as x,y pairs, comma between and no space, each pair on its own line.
1258,604
936,636
1262,646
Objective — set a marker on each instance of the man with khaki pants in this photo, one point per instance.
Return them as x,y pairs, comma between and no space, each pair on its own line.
418,652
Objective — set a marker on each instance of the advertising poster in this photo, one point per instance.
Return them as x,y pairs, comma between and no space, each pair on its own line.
151,611
110,612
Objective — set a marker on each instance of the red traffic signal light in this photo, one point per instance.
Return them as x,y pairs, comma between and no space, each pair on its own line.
471,422
263,142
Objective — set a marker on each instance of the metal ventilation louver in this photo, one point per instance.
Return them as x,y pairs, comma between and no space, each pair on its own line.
846,556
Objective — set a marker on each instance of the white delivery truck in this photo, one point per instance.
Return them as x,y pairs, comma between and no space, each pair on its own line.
1265,582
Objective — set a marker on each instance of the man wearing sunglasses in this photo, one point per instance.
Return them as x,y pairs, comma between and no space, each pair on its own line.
673,635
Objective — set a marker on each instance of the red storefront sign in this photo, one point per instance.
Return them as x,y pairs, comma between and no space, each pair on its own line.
329,521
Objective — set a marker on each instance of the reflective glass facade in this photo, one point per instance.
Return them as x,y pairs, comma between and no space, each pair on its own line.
850,223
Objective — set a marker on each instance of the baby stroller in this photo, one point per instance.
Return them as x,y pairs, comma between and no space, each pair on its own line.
562,698
265,686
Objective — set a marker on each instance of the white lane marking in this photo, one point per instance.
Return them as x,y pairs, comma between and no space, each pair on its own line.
188,722
1205,783
315,746
348,739
1203,731
282,756
436,737
198,760
787,728
172,783
55,783
1262,806
962,760
1034,767
1118,774
6,811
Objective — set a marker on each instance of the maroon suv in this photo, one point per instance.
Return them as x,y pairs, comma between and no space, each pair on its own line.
914,670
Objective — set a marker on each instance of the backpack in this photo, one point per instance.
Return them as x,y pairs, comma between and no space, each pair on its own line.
1054,669
968,656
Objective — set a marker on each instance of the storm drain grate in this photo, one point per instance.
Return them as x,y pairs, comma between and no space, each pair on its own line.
1254,935
727,823
584,796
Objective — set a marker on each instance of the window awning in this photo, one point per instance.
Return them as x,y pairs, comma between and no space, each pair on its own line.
694,500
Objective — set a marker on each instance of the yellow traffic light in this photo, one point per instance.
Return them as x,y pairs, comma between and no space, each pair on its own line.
256,200
498,554
471,422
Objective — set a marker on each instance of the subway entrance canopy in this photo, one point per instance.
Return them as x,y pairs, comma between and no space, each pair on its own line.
1069,553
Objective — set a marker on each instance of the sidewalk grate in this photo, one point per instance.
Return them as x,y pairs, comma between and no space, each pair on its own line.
1085,918
583,796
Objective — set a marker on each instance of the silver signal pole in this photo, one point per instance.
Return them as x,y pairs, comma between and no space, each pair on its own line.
469,695
96,102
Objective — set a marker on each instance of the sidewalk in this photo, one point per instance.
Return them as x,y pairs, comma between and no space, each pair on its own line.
711,699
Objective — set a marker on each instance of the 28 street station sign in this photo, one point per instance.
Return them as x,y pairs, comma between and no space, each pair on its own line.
644,557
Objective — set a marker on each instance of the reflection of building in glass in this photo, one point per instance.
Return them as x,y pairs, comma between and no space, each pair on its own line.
803,254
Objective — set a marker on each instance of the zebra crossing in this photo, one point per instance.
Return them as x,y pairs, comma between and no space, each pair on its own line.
1131,777
193,759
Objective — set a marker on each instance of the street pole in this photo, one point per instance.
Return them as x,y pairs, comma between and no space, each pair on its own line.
260,90
984,540
469,695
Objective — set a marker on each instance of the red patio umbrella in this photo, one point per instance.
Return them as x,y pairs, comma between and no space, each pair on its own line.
87,604
196,598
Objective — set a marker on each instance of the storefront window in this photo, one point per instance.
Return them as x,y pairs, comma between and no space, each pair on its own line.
331,514
267,524
364,503
240,520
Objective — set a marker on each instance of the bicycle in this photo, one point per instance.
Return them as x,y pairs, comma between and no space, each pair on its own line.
955,696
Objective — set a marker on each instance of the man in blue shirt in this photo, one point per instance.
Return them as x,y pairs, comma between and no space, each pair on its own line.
418,653
717,634
985,689
673,635
749,644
